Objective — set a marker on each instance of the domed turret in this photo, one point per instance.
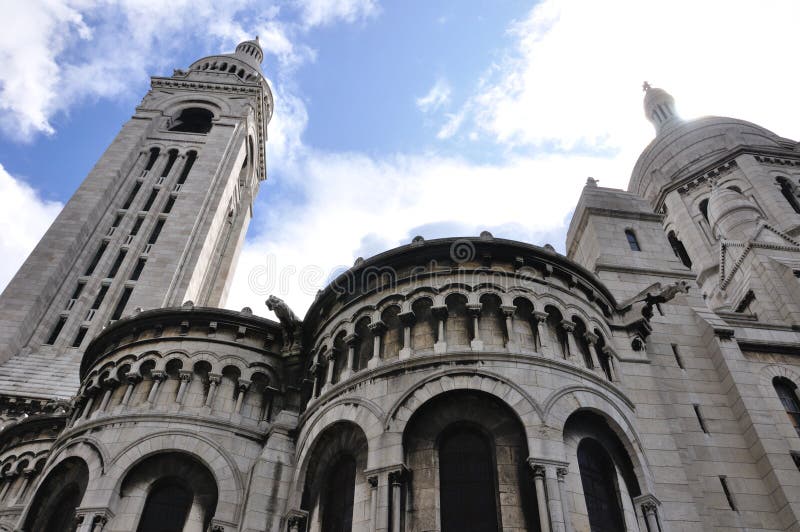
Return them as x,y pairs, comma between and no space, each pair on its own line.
251,53
659,107
731,214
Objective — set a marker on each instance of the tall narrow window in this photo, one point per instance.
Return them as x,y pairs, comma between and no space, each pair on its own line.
173,156
700,420
117,263
787,393
123,300
723,480
150,199
79,337
787,189
137,270
187,166
156,232
132,195
703,206
136,226
337,512
678,249
56,330
152,159
96,259
75,295
167,506
598,476
468,489
117,220
98,300
632,241
678,359
168,206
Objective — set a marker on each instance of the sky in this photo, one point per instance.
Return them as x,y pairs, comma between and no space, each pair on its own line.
392,118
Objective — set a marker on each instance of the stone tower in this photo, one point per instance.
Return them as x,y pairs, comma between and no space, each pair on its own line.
158,221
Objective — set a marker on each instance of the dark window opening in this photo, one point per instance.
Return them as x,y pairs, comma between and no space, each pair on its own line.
117,263
598,475
678,249
123,300
150,199
136,226
704,208
728,495
56,330
96,259
152,159
168,206
788,191
167,507
173,156
468,491
700,419
194,119
632,241
117,220
156,232
100,296
79,337
78,289
787,393
187,166
796,458
137,270
678,358
746,302
132,195
337,512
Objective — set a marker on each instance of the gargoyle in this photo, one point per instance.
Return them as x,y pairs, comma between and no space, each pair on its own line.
654,295
289,320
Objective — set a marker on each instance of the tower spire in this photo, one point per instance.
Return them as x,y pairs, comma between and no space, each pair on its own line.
659,107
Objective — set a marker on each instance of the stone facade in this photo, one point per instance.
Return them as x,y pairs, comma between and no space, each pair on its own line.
641,382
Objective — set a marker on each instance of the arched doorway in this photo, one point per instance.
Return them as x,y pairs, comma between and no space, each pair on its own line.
53,507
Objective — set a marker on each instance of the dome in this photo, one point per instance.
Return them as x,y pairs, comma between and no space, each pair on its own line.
244,62
682,147
688,146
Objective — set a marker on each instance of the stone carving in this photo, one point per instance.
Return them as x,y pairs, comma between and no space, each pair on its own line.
290,323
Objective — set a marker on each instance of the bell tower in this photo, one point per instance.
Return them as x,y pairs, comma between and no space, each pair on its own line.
159,220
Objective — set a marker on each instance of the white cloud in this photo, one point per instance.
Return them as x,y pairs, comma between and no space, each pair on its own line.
325,12
436,97
25,216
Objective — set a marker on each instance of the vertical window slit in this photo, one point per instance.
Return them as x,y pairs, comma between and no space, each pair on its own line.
632,241
156,232
79,337
173,155
56,330
123,300
187,166
150,199
117,263
723,480
137,270
132,195
678,358
96,259
700,419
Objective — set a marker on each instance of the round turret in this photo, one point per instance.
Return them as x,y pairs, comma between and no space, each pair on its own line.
732,215
659,107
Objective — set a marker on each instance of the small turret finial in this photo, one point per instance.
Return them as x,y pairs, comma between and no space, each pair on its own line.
646,86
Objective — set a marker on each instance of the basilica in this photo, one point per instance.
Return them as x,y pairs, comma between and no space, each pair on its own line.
646,381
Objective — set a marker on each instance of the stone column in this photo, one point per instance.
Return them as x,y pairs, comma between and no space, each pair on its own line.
407,319
649,510
158,377
350,341
508,312
296,521
440,313
561,475
110,385
27,475
133,379
8,479
572,346
612,363
314,369
377,329
213,381
90,394
592,338
331,358
241,388
396,479
541,497
648,505
543,336
373,502
186,377
475,310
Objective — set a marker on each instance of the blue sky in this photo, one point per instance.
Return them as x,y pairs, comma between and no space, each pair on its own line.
392,119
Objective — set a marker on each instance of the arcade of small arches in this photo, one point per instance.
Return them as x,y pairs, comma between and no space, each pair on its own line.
229,68
456,321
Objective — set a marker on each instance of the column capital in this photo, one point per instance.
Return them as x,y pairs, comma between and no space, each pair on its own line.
568,326
133,377
440,311
475,308
243,384
540,316
377,327
373,481
561,473
185,375
214,377
407,318
591,337
538,470
351,339
508,310
647,499
158,375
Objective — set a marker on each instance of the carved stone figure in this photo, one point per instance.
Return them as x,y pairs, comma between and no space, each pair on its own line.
289,320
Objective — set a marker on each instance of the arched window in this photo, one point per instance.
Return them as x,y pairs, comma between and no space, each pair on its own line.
167,507
468,493
598,476
152,159
632,241
172,157
193,120
787,392
787,189
337,510
191,156
678,249
53,507
703,206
